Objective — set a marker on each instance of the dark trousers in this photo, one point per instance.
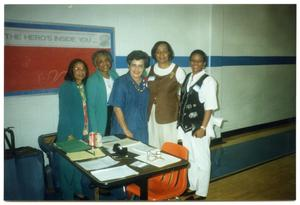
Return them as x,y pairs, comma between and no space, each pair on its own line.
108,121
109,194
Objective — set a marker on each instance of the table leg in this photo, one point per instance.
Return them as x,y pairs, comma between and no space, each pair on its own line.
143,184
96,193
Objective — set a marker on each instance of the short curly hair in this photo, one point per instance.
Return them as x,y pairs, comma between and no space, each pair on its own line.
158,43
138,55
101,53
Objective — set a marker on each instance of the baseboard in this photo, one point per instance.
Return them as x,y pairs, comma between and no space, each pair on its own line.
250,167
235,158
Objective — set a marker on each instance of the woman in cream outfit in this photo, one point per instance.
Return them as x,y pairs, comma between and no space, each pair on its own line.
164,81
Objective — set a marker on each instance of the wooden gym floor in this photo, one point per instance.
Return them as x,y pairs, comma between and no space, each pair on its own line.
275,180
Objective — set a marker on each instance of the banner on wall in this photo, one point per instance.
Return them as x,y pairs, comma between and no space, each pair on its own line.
36,56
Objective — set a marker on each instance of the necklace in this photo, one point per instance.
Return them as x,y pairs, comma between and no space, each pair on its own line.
139,88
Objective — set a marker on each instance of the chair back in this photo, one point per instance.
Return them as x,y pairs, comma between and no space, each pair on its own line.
45,142
175,150
174,180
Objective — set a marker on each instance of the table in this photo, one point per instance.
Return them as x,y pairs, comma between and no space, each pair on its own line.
141,179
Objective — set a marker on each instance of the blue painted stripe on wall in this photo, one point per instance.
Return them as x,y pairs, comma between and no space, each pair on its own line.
251,60
218,61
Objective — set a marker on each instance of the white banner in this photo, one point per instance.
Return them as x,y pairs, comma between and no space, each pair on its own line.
55,38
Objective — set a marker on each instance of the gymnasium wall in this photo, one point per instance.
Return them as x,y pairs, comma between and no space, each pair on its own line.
252,51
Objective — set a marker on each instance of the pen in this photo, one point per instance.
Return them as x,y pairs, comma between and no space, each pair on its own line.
91,152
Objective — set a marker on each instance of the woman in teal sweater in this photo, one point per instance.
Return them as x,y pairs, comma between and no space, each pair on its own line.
73,123
99,87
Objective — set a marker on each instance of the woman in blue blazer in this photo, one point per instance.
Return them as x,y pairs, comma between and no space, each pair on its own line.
72,124
99,86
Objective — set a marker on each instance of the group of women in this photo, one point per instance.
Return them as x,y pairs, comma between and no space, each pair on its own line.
151,104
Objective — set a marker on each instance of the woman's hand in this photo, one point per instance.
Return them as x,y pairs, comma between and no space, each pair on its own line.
199,133
121,120
128,133
70,137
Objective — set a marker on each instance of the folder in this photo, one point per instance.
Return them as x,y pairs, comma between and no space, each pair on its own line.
72,146
84,155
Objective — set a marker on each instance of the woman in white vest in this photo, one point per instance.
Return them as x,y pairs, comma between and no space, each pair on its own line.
198,100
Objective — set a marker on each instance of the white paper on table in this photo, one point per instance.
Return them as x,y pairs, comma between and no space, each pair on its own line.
140,148
123,142
110,138
164,160
139,164
114,173
99,163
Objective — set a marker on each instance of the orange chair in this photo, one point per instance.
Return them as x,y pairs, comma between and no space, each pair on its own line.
168,185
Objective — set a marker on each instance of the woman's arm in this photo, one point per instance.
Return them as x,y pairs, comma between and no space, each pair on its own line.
121,120
91,95
209,88
65,127
201,131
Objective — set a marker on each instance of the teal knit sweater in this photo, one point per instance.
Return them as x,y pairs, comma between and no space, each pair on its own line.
97,101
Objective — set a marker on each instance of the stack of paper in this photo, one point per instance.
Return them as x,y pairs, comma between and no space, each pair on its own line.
140,148
163,160
83,155
98,163
138,164
114,173
123,142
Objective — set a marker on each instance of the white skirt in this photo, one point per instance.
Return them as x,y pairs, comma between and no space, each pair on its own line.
160,133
